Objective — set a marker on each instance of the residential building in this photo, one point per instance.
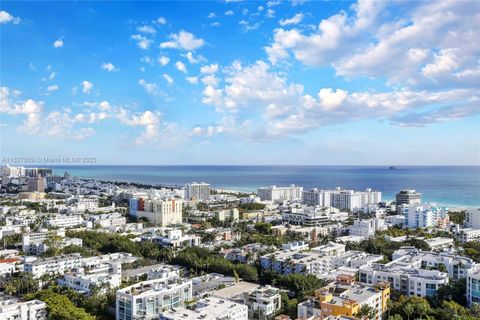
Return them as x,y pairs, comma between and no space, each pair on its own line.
366,228
211,308
342,199
424,216
197,191
149,299
439,243
345,297
279,194
354,259
232,214
12,308
317,261
83,281
65,263
473,285
472,218
456,266
468,234
408,197
263,303
316,197
64,221
159,212
410,281
36,184
174,238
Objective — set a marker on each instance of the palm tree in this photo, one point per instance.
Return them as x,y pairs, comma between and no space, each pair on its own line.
409,310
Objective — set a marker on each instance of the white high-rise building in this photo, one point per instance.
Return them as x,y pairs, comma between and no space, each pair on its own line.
315,197
274,193
341,198
407,197
197,191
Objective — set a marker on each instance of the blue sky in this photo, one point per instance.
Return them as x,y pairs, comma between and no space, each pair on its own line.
237,82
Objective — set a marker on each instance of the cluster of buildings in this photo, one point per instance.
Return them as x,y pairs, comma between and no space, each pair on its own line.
40,208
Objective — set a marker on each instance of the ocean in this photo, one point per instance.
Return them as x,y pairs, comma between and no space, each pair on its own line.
447,185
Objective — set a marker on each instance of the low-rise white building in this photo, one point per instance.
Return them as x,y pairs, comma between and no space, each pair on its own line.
64,221
211,308
14,309
149,299
410,281
102,278
439,243
456,266
366,228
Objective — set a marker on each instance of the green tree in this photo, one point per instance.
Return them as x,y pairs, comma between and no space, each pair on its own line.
60,307
366,311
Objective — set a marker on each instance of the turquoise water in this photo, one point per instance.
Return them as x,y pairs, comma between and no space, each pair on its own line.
448,185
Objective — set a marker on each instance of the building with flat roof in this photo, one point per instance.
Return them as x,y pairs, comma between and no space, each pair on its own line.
408,197
12,308
409,280
159,212
276,194
197,191
344,297
211,308
148,299
473,285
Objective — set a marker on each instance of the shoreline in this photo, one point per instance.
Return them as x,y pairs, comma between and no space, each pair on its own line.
451,207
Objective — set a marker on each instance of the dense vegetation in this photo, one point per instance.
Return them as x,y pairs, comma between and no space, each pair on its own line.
472,250
104,243
199,260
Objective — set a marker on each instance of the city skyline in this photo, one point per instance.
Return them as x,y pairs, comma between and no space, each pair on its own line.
236,82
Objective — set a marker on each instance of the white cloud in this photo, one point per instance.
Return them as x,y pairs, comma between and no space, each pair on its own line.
108,66
229,13
146,29
183,40
429,45
211,15
150,88
87,86
192,59
52,75
58,43
142,42
53,88
163,60
285,108
445,62
215,24
181,66
296,19
192,80
161,20
149,120
208,131
6,17
168,78
209,69
104,105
